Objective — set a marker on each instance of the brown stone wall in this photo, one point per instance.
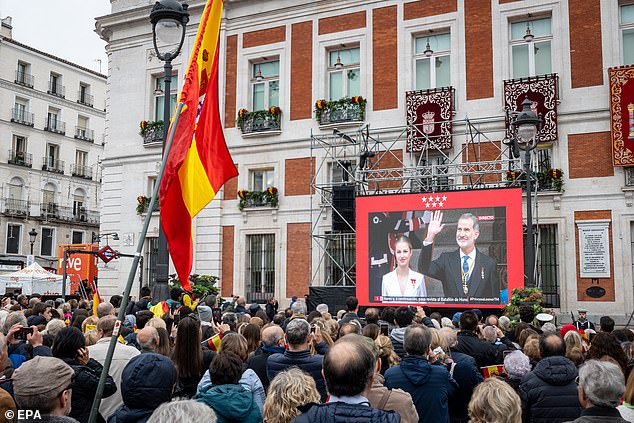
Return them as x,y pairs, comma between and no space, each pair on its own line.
584,283
385,66
586,53
301,70
227,260
231,188
590,155
297,176
479,49
230,81
342,23
423,8
264,36
386,160
297,259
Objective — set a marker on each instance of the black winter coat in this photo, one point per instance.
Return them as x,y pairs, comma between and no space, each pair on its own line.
339,412
485,353
85,388
258,362
468,376
302,359
549,392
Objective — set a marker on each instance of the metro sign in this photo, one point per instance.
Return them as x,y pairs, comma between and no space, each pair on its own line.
107,254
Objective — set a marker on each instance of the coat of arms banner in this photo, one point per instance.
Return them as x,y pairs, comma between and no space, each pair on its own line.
622,114
542,91
429,114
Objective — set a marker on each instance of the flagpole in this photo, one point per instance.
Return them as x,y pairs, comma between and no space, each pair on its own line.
137,256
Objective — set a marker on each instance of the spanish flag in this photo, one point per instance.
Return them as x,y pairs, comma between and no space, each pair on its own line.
96,298
199,162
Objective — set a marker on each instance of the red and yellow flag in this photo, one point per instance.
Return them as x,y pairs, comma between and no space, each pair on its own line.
96,298
199,162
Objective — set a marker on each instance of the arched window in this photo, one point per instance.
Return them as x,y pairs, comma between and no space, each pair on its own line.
14,197
49,207
79,199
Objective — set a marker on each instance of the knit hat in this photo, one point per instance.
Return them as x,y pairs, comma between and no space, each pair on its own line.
254,308
456,318
322,308
204,313
41,376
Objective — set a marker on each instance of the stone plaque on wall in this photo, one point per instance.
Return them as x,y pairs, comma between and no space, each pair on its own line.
594,249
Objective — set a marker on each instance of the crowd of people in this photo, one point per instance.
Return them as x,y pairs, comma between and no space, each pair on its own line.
187,359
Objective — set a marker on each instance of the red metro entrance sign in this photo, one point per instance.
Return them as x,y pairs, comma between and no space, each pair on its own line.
107,254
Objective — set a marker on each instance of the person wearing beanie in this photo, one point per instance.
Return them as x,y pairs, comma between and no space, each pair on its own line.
147,382
49,393
205,315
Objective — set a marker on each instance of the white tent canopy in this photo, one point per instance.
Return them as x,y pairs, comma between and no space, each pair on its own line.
33,279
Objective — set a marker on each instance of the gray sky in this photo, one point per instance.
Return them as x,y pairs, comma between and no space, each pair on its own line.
64,28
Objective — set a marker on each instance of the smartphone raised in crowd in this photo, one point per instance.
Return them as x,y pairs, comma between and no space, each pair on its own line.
385,329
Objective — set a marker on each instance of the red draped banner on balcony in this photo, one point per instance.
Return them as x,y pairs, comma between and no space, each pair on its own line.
429,114
622,114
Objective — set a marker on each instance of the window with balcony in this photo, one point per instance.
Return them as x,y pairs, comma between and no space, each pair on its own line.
159,95
55,86
46,246
54,122
14,238
17,154
432,58
23,74
344,73
84,96
265,85
82,130
531,47
14,204
261,179
260,267
52,163
20,112
627,33
80,167
49,206
78,237
79,198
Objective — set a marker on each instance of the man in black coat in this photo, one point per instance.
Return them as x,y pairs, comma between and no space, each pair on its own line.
485,353
272,343
549,393
466,272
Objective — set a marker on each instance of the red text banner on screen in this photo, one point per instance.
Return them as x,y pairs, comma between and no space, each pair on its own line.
498,264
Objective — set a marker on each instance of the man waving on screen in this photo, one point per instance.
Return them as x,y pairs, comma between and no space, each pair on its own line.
466,272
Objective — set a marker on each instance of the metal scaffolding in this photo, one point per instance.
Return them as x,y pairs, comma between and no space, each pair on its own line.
368,161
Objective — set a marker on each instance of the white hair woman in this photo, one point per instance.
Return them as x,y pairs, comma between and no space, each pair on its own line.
494,401
288,390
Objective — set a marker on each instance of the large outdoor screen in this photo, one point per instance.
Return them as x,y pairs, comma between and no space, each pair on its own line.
448,249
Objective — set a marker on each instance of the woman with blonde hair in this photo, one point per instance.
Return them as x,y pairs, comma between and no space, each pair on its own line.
288,390
494,401
386,353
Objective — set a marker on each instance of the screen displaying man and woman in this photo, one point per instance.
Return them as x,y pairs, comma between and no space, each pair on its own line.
459,248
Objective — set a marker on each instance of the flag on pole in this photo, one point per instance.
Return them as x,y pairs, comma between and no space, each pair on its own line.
96,298
199,162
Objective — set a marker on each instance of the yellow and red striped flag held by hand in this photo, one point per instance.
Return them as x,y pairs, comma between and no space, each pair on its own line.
199,162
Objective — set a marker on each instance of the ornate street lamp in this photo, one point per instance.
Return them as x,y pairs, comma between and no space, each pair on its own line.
169,18
32,236
527,125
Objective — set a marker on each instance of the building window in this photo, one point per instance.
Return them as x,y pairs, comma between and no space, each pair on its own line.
433,70
260,267
53,121
83,95
627,29
344,73
261,179
159,94
151,258
265,85
55,85
19,144
46,248
341,265
547,263
78,237
534,57
14,238
342,171
23,74
79,198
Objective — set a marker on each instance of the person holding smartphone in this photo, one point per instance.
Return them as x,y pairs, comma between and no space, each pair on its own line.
70,346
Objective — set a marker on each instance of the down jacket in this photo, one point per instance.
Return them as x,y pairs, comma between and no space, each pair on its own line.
85,388
302,359
549,392
341,412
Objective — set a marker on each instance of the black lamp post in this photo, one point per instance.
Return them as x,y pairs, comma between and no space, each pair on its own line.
527,125
169,18
32,236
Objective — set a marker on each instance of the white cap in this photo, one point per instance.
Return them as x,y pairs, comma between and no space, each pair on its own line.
545,317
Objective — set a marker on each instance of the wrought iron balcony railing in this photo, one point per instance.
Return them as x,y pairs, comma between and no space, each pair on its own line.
81,171
51,164
20,158
24,78
49,210
14,207
342,113
85,134
153,134
260,122
85,98
55,125
22,116
56,89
